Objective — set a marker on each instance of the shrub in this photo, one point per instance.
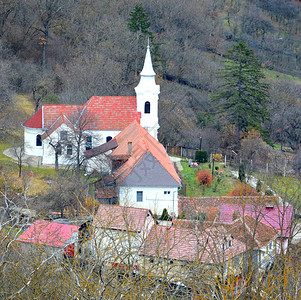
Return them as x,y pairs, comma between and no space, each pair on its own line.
217,157
269,193
258,186
201,156
204,177
241,173
165,215
243,190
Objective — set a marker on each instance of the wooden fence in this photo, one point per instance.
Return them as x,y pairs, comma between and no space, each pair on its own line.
181,151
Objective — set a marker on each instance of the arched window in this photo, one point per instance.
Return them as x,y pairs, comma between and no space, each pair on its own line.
147,107
108,138
38,140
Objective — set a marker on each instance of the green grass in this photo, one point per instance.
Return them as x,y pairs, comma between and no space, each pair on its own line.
270,74
217,188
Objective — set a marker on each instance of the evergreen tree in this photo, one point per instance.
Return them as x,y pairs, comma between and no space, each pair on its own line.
243,96
139,23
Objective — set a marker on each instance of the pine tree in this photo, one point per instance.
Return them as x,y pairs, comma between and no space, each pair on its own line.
243,96
139,23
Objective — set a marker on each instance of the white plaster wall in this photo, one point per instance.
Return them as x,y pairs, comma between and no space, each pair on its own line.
30,135
98,138
153,198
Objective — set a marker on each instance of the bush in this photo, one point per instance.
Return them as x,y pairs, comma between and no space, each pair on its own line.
241,173
269,193
258,186
243,190
204,177
165,215
217,157
201,156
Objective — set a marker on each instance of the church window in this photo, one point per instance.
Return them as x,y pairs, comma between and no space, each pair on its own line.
147,107
38,140
139,196
88,142
108,138
69,149
63,135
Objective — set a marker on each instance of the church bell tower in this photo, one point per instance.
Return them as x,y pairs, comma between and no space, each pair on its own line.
147,93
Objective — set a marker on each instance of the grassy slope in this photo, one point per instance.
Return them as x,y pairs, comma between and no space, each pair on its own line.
222,188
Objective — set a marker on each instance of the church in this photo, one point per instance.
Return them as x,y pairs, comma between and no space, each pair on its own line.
67,131
117,136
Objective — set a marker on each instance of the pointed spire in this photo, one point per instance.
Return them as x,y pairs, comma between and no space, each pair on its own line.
148,66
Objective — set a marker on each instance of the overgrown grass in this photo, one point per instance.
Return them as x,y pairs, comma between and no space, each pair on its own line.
270,74
220,186
288,188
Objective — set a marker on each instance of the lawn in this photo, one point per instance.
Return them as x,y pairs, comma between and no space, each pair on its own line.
220,186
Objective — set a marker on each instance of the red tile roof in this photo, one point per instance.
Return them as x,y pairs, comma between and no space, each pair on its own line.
142,142
121,218
34,121
48,233
104,113
192,240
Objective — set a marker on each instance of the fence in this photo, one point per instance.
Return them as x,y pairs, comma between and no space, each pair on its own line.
181,151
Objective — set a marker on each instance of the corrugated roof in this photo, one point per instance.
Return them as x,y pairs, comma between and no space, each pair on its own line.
48,233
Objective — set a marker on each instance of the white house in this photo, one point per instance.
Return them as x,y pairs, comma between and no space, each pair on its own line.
75,128
141,171
118,233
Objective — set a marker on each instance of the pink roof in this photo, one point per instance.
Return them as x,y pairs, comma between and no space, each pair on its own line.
121,217
105,113
278,217
48,233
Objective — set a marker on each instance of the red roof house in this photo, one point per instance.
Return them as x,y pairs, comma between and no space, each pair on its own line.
51,235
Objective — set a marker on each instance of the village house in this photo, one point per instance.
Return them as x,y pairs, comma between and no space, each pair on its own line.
142,174
190,250
64,132
50,238
225,209
118,233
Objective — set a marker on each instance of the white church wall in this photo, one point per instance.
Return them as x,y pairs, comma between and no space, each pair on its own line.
30,138
153,198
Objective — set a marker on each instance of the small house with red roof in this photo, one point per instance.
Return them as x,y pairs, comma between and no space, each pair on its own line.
65,130
52,238
118,233
195,248
141,171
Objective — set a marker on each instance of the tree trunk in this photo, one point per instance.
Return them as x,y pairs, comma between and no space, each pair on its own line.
44,50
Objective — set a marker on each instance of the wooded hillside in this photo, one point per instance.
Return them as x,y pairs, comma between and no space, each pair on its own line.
65,51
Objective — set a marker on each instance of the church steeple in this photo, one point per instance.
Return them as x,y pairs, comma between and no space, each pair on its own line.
148,69
148,95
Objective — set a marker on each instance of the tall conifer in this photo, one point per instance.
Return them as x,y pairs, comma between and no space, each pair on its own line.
243,96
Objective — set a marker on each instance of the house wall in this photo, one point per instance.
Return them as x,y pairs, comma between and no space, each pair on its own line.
30,135
98,138
115,246
154,198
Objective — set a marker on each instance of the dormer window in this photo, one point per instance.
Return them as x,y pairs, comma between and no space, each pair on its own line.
147,107
108,138
230,242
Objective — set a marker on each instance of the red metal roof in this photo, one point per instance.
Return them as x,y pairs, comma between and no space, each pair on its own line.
104,113
48,233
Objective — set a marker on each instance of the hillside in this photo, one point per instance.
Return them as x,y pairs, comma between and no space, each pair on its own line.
67,51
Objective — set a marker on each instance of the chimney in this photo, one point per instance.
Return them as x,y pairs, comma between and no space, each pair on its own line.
130,147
